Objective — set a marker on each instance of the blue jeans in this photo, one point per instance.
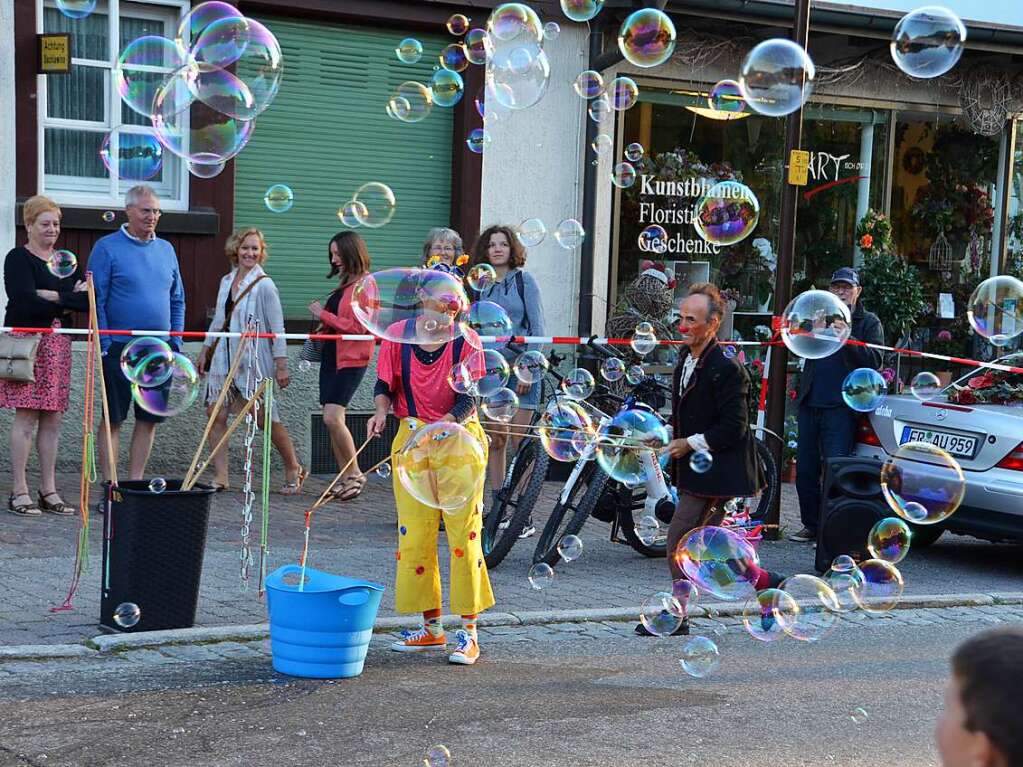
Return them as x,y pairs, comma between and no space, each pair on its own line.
824,432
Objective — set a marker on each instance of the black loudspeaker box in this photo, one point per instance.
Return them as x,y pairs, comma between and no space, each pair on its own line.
851,504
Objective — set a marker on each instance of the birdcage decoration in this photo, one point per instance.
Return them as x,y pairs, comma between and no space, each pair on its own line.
939,258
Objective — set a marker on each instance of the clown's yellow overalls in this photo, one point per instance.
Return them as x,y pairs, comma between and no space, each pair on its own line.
418,586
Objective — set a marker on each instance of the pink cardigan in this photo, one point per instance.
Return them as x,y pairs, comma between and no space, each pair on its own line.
350,354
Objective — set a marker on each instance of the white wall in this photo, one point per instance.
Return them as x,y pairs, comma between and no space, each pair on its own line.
533,169
7,146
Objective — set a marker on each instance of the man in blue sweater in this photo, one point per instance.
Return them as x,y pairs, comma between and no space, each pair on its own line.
138,287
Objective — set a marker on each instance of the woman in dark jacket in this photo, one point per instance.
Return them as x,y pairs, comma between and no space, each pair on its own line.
709,417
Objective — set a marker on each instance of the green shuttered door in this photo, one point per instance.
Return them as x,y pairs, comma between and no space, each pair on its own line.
325,135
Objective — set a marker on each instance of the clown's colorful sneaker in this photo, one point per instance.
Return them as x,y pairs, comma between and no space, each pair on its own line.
467,649
419,640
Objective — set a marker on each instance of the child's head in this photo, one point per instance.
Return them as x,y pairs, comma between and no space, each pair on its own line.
980,724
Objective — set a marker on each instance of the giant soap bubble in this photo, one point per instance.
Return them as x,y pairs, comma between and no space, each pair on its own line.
143,67
996,309
928,41
922,483
777,77
442,465
627,448
417,306
727,214
250,50
720,562
815,324
199,133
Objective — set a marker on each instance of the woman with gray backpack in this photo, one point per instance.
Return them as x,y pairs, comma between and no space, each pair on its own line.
517,292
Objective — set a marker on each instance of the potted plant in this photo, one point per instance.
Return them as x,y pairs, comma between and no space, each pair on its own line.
891,287
788,471
946,345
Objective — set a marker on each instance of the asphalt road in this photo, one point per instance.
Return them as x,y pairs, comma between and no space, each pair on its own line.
581,694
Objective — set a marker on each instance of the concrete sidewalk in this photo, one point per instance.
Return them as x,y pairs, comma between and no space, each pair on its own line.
357,539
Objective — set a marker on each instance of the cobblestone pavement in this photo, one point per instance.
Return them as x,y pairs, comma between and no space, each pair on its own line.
358,539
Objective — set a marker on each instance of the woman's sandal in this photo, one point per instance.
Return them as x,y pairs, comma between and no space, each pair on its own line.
22,509
59,508
294,486
351,488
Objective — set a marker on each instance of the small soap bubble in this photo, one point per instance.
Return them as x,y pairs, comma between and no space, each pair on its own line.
995,310
304,366
127,614
157,485
475,44
481,277
599,108
777,77
409,51
108,216
569,234
530,366
478,140
437,756
647,38
864,390
634,152
279,198
76,9
727,214
623,93
726,96
815,324
661,614
624,175
635,374
701,461
925,385
602,144
653,239
458,24
541,575
551,30
700,657
578,384
648,529
928,41
923,483
62,263
531,232
859,715
589,84
612,369
453,58
581,10
570,547
384,470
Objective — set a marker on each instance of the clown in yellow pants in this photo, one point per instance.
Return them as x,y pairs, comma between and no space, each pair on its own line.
418,586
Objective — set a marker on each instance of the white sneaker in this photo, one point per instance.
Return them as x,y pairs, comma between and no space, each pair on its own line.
419,640
528,531
467,649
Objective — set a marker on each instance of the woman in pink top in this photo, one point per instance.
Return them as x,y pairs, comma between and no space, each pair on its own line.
343,363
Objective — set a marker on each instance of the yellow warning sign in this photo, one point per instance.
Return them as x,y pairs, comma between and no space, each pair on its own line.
54,54
799,167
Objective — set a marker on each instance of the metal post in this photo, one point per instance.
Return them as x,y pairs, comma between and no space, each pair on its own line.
776,393
7,131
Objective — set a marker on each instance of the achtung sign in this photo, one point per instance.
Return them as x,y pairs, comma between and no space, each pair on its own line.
54,54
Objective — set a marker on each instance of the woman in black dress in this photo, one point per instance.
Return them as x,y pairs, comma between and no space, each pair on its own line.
38,296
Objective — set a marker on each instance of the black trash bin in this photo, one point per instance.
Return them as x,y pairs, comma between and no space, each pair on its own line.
153,546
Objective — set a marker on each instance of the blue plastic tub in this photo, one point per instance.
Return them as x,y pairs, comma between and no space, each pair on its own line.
324,630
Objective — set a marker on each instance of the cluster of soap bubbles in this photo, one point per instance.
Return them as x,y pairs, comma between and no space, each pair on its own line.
202,91
163,382
569,233
373,205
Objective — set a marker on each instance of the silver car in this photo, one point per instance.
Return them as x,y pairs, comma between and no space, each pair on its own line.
986,440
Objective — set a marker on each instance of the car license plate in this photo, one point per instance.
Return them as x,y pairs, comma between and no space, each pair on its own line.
957,445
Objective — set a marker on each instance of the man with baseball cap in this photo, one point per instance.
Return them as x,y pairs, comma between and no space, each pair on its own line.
827,426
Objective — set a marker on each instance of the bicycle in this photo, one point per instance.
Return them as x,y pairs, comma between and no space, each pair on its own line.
589,491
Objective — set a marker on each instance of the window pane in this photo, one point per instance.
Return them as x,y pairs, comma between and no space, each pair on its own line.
88,36
74,153
134,28
80,95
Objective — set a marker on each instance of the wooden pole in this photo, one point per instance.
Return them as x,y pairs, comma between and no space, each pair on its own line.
326,493
94,327
227,435
777,379
216,407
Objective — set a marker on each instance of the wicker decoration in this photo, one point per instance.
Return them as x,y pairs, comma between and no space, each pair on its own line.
987,97
649,296
940,257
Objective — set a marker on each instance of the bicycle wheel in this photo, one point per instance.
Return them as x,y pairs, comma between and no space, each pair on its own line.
773,482
515,501
569,517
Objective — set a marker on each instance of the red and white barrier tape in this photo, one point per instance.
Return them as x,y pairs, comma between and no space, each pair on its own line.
554,340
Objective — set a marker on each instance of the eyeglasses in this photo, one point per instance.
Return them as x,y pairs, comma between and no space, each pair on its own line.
443,249
156,212
842,288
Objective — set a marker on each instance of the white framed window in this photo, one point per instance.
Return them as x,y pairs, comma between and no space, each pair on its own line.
77,110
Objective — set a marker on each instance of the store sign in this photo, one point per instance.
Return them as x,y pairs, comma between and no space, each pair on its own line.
668,203
799,167
829,170
54,54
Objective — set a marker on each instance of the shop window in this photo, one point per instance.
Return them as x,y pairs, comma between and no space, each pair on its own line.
78,110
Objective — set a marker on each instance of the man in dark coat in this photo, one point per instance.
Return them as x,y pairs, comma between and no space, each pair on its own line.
827,426
710,416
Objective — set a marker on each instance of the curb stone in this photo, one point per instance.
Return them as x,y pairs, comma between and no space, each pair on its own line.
112,643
